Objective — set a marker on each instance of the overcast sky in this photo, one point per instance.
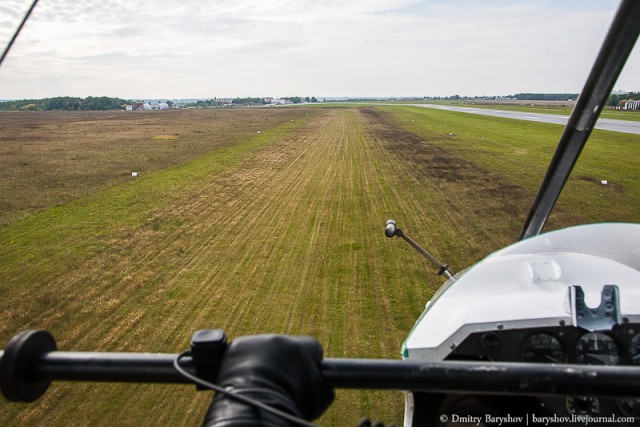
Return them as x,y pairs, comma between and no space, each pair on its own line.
238,48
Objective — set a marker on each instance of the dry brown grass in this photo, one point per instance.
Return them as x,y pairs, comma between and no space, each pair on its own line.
48,158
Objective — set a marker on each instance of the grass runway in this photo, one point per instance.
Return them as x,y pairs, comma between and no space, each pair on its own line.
278,232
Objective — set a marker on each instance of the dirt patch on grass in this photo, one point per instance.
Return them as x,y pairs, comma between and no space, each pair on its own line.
486,197
445,169
603,184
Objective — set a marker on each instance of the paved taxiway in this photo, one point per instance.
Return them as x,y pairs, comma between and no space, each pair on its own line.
625,126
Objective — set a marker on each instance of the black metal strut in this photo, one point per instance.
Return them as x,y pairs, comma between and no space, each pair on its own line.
614,52
17,32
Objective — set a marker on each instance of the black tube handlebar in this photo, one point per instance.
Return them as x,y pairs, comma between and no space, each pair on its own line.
29,379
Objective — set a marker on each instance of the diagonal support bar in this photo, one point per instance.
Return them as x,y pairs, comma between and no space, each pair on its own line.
613,54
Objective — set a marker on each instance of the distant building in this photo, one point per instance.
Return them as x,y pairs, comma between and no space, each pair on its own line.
280,101
631,104
160,106
148,106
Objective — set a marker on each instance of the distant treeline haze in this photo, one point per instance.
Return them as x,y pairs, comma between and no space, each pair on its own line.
546,96
614,99
65,103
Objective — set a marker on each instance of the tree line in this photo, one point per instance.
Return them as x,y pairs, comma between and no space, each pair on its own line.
546,96
65,103
614,100
208,103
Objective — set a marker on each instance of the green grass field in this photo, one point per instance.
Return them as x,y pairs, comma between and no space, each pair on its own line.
281,232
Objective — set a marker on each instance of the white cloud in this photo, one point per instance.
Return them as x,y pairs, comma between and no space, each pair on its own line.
197,48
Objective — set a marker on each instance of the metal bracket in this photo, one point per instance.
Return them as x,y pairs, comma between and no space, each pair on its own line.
602,318
393,230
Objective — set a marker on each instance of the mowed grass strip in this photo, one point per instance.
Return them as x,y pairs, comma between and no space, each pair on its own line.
78,271
290,240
